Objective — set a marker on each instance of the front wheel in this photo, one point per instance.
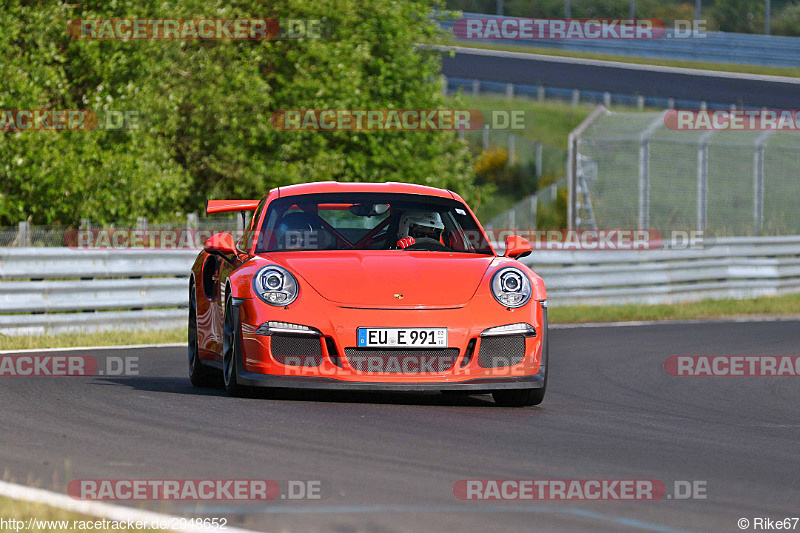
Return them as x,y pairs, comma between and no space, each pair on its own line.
231,349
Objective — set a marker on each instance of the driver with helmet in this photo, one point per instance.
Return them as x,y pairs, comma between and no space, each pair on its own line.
421,228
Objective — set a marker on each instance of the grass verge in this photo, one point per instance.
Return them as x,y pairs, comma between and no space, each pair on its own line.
102,338
697,65
46,518
788,305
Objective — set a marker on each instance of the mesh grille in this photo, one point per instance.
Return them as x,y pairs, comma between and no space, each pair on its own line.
496,352
402,361
296,350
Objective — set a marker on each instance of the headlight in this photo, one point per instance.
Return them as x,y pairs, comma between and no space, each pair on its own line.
275,285
511,287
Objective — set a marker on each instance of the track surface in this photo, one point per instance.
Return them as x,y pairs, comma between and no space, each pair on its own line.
389,461
700,85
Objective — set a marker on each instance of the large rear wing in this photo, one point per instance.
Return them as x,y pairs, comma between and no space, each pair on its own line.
226,206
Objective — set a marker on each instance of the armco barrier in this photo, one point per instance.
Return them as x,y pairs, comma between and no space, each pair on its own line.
712,47
734,267
58,289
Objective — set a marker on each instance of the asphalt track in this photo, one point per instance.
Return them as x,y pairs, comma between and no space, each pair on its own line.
388,462
530,69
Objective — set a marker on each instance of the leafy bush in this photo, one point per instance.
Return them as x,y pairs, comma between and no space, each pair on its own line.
788,21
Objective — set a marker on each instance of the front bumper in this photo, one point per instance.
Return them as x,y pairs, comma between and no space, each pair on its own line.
252,379
337,327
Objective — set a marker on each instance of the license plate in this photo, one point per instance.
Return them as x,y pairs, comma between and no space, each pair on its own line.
400,337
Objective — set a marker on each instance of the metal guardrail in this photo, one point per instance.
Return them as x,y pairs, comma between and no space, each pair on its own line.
54,290
714,47
733,267
50,290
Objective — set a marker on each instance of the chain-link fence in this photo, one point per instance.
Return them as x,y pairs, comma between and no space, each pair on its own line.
26,234
631,171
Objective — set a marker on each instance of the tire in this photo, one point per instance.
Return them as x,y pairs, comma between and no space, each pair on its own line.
231,349
518,397
198,374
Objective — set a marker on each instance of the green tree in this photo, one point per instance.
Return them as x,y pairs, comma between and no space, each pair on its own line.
206,107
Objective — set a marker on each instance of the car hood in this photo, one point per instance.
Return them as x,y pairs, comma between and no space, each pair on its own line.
389,279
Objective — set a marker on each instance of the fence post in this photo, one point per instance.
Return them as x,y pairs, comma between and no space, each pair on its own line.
702,180
572,162
539,161
758,182
476,87
192,221
24,234
607,99
540,93
141,223
509,91
444,85
512,152
644,170
485,137
576,97
640,103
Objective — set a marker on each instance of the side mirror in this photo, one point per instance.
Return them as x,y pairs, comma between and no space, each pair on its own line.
517,247
220,243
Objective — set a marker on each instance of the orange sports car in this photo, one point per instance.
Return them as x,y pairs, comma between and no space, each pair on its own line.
367,286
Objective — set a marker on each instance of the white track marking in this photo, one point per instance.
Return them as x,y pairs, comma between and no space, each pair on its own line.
616,64
117,513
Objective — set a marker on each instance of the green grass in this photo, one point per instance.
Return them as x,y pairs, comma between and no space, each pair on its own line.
20,510
698,65
545,122
788,305
779,305
104,338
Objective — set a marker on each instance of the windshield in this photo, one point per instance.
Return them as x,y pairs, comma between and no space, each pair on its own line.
370,221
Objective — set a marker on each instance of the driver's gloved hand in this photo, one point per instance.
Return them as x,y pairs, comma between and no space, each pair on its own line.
406,242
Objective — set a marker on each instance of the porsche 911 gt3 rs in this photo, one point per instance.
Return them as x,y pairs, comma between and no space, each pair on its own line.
367,286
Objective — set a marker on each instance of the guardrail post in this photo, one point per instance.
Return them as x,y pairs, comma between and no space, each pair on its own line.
444,85
607,99
640,102
476,87
576,97
540,93
509,91
485,137
512,152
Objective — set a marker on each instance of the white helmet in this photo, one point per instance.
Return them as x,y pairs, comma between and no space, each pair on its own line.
420,224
